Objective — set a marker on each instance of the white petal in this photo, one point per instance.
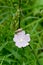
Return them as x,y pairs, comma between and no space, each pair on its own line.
15,38
27,37
19,45
25,45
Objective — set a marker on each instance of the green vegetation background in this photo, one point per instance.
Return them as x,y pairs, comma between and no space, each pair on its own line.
31,22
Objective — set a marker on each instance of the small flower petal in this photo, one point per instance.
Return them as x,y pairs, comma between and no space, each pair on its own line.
25,43
18,44
27,37
15,38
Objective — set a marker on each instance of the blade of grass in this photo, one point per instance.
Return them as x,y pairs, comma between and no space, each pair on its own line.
3,19
33,23
3,45
4,13
34,27
27,18
6,7
2,61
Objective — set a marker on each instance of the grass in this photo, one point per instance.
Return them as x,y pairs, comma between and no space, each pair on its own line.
31,21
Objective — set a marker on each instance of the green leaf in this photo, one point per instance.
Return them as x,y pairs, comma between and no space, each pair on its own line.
10,47
3,20
3,45
41,61
40,55
39,2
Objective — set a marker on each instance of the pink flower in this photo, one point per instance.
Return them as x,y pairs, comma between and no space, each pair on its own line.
21,39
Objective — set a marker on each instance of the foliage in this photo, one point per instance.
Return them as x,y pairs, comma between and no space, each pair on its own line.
31,22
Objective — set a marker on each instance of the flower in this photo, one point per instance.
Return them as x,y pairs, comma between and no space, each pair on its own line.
21,39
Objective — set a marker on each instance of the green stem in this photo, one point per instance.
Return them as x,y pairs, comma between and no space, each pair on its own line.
19,12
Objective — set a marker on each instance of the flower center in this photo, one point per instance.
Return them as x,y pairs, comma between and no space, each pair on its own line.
21,40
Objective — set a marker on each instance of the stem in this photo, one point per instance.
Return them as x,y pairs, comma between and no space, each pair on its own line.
19,12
